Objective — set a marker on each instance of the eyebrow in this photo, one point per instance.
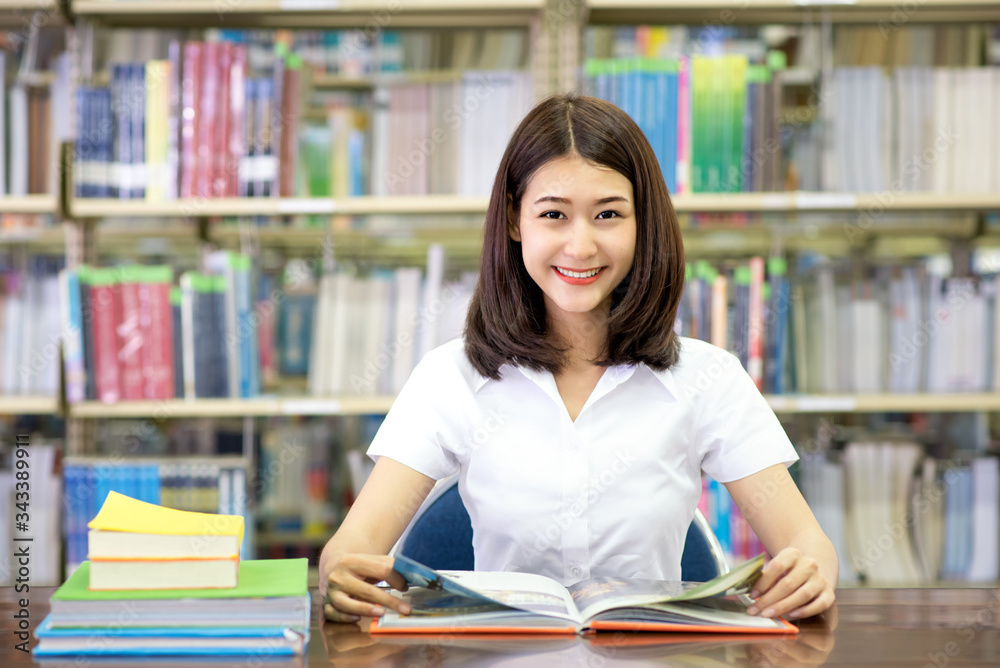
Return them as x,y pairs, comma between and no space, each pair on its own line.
563,200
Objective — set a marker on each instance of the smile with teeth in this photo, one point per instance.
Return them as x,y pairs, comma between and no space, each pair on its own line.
578,274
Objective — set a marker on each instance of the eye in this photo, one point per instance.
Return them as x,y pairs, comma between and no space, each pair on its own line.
603,215
553,215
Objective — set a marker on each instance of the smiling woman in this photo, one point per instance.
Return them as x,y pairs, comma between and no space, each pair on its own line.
571,367
578,189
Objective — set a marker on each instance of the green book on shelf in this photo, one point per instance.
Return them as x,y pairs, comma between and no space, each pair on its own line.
262,578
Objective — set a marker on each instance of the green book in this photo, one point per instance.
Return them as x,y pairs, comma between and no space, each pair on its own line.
262,578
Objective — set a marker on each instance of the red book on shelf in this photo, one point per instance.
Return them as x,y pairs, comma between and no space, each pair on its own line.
289,136
209,120
220,140
105,304
156,324
190,114
130,342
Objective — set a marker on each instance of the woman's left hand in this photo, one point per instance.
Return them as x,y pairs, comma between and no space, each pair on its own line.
791,585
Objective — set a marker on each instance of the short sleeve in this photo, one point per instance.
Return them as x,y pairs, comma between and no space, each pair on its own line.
418,429
738,433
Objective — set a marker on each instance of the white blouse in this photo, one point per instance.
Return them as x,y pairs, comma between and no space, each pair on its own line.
611,494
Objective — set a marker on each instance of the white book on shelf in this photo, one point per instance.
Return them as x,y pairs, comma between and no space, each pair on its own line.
944,127
827,321
13,314
19,158
46,515
374,357
431,303
994,148
320,342
3,129
903,460
339,333
6,527
404,325
927,510
380,137
985,519
845,352
867,335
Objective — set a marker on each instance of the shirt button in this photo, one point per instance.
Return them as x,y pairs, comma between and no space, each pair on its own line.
576,571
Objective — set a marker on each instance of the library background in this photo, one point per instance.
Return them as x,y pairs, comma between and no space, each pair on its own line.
228,230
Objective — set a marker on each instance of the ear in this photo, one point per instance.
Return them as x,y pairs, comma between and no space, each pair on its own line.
513,220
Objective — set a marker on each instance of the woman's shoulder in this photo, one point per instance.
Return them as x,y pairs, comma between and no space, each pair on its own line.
449,363
698,365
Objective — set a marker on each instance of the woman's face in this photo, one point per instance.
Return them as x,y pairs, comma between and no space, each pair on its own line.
577,234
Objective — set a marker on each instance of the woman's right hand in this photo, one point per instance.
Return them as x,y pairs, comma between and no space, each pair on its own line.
351,592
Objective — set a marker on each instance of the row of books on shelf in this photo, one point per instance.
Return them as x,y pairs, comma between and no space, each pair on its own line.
35,120
203,122
714,124
32,499
898,516
184,484
824,328
30,330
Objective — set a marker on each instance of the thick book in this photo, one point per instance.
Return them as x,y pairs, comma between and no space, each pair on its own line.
137,545
505,602
271,592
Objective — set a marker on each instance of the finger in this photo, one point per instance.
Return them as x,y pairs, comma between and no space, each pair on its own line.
397,581
333,615
774,570
368,604
804,570
817,605
377,598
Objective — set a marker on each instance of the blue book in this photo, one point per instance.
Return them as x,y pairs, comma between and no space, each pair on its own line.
113,640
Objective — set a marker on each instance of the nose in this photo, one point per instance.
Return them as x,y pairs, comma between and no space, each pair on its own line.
581,242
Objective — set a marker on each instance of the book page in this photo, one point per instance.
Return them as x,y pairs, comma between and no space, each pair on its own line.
472,592
597,595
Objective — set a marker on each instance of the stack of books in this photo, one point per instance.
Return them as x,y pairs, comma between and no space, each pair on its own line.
168,582
133,544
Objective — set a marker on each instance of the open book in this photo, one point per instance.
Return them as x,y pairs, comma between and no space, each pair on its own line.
502,602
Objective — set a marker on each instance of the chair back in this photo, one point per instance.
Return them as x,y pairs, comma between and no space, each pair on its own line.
440,536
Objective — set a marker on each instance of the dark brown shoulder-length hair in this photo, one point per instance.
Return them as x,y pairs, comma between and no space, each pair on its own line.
506,319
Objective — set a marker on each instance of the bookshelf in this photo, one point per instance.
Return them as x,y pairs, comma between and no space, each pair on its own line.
786,404
554,62
308,13
28,405
716,13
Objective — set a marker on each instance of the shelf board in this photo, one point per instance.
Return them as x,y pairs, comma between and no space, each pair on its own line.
309,13
28,405
803,202
257,407
278,206
378,405
781,202
39,204
877,403
721,13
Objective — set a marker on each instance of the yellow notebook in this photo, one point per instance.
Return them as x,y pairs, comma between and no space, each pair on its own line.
123,513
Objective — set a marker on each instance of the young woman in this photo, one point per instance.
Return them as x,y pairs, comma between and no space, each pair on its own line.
578,421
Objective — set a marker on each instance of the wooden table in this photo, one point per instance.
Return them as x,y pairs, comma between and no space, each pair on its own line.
926,628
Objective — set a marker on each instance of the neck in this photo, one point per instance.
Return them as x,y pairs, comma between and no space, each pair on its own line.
583,335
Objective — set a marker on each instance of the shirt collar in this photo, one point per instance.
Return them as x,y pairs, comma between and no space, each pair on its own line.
619,374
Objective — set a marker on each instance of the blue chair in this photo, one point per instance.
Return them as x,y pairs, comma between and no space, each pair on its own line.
440,536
